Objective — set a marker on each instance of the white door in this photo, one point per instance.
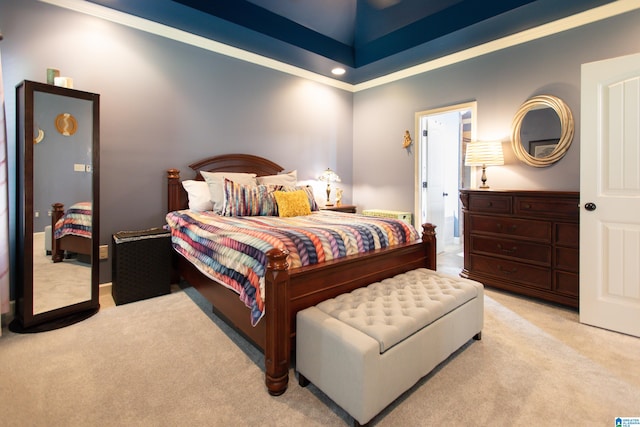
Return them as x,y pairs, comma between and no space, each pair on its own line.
438,173
435,145
610,195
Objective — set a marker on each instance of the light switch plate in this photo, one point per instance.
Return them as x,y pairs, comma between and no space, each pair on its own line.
104,252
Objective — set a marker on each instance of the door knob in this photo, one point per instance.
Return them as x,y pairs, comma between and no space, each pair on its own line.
445,194
590,206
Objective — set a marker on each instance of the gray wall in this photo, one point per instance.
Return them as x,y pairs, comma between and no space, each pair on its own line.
500,82
165,105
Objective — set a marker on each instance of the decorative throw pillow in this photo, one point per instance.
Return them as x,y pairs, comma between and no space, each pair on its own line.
215,180
247,200
289,179
307,189
292,203
312,198
198,195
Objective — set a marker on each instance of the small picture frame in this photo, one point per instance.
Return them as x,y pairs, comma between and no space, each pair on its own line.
542,148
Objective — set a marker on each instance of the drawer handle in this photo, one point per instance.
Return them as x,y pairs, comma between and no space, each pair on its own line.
510,229
489,204
527,206
515,270
507,251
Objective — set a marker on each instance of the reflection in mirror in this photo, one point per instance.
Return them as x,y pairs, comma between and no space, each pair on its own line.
542,131
58,195
61,178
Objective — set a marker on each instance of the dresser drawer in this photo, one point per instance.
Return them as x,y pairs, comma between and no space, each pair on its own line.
567,234
517,272
530,229
490,203
548,206
512,249
567,283
567,259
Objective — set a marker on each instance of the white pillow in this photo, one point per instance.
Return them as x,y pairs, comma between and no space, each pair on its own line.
199,196
215,181
289,179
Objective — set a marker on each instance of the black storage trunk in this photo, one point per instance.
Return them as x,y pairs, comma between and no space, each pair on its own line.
141,265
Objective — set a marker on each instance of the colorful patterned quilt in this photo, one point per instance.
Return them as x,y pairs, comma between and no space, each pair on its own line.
76,221
232,250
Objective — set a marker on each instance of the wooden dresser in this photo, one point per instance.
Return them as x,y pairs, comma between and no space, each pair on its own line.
523,241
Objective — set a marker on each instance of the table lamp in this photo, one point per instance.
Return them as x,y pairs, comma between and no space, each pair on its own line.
329,176
484,153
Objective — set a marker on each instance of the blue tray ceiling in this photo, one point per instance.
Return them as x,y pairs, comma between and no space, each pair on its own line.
369,38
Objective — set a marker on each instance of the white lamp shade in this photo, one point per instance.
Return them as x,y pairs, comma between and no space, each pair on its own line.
484,153
329,176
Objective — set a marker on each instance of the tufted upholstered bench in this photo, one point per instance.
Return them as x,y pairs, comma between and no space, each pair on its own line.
365,348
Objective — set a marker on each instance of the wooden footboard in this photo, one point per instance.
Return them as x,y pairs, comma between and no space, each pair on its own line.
289,291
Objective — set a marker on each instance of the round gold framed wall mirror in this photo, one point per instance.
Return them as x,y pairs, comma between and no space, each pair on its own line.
542,131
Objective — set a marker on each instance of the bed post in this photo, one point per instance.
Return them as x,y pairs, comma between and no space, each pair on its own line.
277,352
429,242
57,255
173,190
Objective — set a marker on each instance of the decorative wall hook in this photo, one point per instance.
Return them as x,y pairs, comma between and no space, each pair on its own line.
407,139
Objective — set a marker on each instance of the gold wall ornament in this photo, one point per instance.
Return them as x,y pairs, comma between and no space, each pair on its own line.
66,124
407,139
39,137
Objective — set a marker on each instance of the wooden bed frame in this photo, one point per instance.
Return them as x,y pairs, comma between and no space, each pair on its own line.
77,244
289,291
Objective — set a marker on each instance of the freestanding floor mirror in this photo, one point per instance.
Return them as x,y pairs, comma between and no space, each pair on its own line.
57,190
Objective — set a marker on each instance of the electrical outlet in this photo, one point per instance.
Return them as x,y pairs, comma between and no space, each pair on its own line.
37,214
104,252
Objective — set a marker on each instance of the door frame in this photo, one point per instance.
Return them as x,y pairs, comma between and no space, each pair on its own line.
465,106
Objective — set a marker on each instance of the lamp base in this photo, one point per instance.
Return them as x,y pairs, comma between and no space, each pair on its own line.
484,177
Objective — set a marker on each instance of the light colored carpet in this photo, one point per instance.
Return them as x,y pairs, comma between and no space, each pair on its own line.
58,284
165,362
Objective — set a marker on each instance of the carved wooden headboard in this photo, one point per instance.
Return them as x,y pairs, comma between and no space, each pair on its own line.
248,163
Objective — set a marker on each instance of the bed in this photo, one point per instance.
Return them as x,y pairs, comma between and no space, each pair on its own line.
71,230
288,291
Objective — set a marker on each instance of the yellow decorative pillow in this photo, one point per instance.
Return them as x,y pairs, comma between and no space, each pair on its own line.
292,203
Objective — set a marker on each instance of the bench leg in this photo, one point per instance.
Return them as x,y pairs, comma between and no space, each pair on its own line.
478,336
302,380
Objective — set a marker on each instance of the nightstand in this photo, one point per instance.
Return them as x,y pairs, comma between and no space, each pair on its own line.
341,208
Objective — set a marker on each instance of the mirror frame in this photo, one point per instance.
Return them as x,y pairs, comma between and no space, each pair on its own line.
26,320
567,130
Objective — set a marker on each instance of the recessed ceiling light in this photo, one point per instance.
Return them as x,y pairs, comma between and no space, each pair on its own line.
338,71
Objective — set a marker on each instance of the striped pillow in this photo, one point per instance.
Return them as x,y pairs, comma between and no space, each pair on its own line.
248,200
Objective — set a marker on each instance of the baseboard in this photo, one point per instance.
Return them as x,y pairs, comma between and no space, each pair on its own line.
8,317
105,289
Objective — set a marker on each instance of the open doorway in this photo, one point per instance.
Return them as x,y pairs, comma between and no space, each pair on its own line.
442,135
